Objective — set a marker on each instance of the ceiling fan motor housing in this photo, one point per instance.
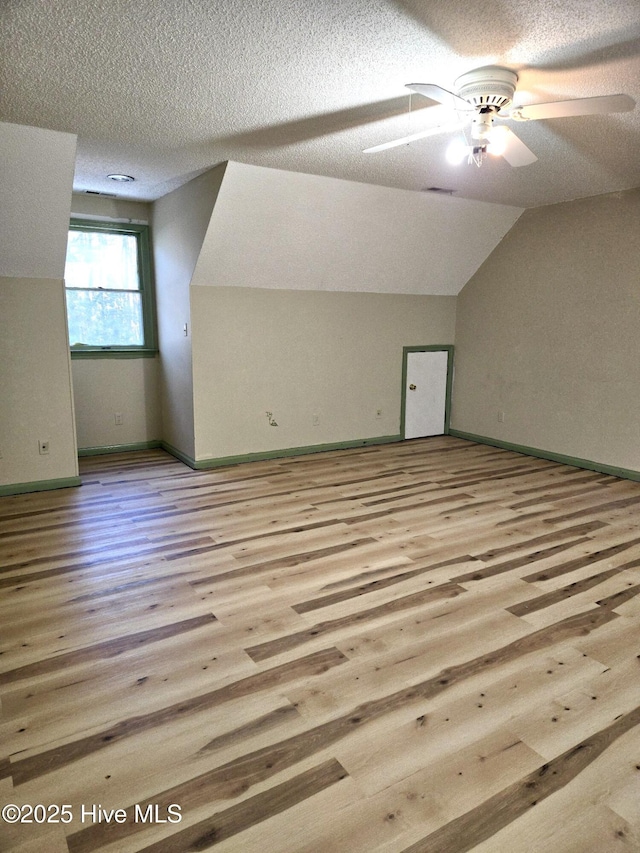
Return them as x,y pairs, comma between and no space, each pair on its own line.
488,89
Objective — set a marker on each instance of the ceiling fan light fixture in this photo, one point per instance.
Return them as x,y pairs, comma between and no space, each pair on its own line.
497,141
457,151
487,93
488,88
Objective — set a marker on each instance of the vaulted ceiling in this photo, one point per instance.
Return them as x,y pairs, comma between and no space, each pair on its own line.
165,89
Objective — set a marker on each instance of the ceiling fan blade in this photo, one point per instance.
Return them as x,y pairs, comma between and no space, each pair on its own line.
436,93
516,152
577,107
421,134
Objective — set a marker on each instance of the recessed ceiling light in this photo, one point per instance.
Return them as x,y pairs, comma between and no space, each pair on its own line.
123,179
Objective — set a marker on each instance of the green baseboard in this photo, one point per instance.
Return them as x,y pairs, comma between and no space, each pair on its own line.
179,455
575,461
40,486
118,448
222,461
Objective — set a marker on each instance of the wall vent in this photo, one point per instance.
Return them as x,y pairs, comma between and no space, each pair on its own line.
102,195
442,190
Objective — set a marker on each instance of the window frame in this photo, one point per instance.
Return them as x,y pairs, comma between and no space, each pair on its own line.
145,278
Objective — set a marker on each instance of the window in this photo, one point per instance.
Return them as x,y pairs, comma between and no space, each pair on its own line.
108,287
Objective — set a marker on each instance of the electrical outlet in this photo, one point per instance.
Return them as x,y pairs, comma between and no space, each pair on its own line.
43,447
316,420
501,417
118,418
378,413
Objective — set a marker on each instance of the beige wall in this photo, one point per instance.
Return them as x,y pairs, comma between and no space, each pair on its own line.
113,209
548,332
126,386
35,384
305,291
297,354
36,401
299,293
180,221
87,205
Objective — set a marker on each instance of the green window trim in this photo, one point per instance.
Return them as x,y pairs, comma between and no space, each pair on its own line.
145,275
112,352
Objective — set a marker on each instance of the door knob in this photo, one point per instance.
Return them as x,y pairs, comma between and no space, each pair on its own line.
412,387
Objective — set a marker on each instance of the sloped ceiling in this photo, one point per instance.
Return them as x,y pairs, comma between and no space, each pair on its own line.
165,89
35,163
285,230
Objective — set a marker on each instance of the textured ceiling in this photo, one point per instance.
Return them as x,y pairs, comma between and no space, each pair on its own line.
165,89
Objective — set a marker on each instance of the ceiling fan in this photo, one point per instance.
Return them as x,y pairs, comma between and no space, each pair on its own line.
486,94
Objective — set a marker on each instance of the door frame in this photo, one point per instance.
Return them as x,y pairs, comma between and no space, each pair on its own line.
448,348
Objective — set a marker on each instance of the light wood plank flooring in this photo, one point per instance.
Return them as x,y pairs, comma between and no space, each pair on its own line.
426,646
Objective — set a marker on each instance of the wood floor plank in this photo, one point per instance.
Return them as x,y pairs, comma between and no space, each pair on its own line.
22,770
432,617
252,570
524,542
13,580
265,763
110,648
589,559
453,720
375,585
237,818
553,726
489,817
556,595
518,562
262,651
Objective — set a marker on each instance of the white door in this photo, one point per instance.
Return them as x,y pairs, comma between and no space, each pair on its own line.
425,393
